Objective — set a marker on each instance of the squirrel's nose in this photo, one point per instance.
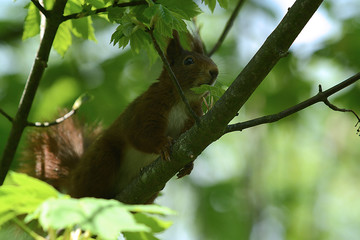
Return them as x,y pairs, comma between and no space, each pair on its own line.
214,73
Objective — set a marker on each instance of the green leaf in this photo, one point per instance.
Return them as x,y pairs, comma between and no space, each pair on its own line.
157,225
97,3
139,236
119,35
154,209
115,14
187,9
63,39
83,28
6,216
73,6
105,218
215,91
32,22
223,3
166,20
140,40
81,100
210,3
22,194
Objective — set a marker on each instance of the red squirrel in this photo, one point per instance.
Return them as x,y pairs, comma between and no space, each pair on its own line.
65,158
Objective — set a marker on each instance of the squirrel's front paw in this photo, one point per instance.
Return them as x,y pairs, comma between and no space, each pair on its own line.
166,150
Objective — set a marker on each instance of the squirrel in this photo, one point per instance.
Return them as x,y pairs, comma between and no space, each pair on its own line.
90,162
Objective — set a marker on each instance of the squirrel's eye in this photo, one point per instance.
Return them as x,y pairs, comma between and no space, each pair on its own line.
188,61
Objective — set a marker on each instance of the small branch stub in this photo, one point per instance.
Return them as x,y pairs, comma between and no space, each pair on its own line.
335,108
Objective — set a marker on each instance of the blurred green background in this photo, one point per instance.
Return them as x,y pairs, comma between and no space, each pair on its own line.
295,179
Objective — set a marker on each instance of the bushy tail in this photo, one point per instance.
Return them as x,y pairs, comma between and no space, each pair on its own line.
52,153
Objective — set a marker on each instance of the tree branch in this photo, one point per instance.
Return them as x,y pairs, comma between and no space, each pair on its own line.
319,97
335,108
213,124
227,28
105,9
173,77
41,8
32,83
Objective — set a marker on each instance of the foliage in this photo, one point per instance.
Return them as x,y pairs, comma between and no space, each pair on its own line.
163,16
23,195
293,180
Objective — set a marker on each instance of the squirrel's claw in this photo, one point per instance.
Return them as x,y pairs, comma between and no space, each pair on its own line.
165,152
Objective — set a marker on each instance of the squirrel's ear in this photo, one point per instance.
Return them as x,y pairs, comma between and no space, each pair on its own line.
174,48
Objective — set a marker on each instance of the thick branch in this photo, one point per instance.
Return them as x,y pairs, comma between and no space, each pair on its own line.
40,63
320,97
213,124
173,77
101,10
227,28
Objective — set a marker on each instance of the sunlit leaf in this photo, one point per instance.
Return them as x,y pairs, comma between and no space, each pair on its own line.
139,40
156,224
139,236
187,9
106,218
216,91
97,3
73,6
81,100
210,3
63,38
22,194
223,3
115,14
32,22
83,28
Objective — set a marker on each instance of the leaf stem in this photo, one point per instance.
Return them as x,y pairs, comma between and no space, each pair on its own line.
26,229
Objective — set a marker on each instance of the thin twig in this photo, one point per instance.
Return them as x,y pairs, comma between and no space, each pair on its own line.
6,115
41,8
55,122
42,124
335,108
173,77
101,10
77,104
319,97
227,27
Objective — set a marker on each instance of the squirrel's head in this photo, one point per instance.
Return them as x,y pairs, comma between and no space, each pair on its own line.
192,68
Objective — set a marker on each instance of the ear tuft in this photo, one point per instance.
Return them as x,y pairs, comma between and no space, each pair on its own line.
196,42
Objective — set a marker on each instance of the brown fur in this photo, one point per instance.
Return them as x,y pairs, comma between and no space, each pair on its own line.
137,137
